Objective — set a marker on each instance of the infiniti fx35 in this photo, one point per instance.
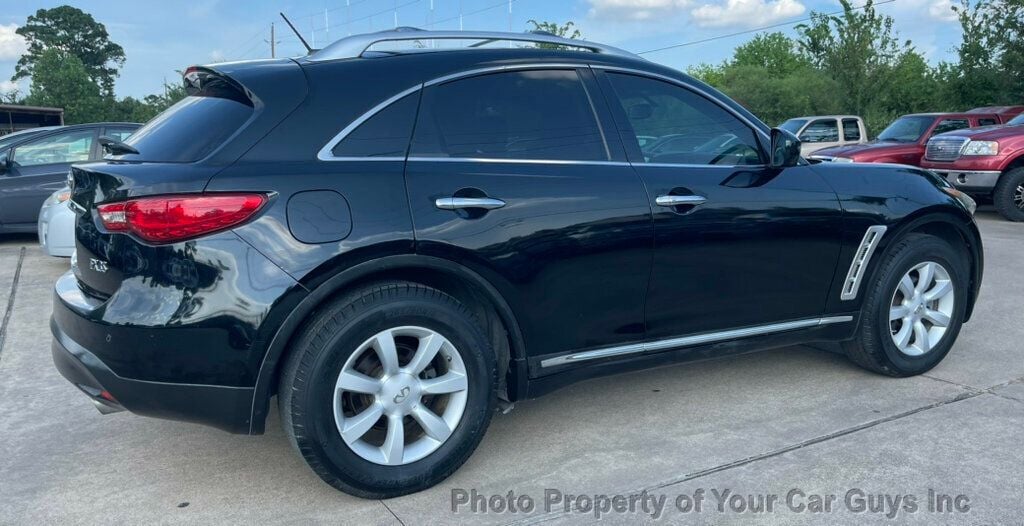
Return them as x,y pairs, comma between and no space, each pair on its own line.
395,239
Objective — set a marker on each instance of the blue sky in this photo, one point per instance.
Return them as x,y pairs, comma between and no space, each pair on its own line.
160,37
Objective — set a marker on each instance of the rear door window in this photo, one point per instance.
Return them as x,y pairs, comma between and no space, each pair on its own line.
68,147
535,114
851,130
821,130
947,125
986,122
190,130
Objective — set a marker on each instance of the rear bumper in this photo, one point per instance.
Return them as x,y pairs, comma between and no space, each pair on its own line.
226,408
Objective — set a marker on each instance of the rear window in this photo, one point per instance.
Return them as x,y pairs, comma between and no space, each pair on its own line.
190,130
851,130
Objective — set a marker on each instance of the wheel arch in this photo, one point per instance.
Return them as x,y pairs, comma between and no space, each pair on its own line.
944,224
451,277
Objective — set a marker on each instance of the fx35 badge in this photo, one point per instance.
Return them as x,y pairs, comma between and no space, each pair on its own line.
98,265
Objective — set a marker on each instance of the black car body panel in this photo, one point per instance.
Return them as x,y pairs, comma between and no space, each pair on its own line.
25,184
580,258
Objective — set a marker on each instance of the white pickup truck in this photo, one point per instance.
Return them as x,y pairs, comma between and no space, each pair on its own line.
825,131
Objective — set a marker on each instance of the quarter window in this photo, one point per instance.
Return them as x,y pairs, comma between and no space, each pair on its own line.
510,115
851,130
70,147
674,125
822,130
986,122
385,134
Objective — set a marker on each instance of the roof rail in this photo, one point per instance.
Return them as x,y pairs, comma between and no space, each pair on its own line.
356,45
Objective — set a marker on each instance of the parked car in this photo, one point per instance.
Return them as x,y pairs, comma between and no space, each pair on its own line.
904,140
34,165
396,260
986,162
826,131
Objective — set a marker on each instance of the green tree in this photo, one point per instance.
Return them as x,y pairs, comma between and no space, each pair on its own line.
566,30
62,80
775,52
72,32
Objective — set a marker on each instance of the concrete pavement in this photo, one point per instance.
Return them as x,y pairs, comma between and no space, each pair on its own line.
794,423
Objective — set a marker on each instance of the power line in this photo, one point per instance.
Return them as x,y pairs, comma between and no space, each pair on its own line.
481,10
772,26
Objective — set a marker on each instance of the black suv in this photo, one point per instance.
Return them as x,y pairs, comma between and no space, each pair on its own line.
398,237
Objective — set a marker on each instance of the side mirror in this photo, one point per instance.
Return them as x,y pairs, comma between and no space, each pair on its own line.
785,149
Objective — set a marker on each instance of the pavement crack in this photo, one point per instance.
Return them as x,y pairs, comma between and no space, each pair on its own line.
10,300
776,452
393,514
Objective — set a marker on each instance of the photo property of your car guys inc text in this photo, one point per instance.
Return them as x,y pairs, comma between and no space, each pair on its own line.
512,262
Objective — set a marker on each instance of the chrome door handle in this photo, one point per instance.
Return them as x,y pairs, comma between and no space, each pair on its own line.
457,203
680,200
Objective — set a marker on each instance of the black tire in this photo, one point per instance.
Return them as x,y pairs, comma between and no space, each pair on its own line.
1006,195
334,333
873,348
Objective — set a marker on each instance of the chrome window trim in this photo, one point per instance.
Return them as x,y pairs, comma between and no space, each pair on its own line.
514,161
860,261
688,341
685,165
506,67
326,154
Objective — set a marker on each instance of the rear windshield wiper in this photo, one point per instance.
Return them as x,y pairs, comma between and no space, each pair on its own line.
115,146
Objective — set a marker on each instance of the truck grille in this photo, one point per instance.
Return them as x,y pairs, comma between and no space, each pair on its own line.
945,148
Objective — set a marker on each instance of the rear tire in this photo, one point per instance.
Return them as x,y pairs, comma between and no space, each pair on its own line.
318,401
1009,195
889,340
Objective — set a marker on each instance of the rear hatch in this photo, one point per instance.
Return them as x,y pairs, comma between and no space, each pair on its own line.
229,108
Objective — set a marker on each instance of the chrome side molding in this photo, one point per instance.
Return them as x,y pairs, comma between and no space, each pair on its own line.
697,339
860,261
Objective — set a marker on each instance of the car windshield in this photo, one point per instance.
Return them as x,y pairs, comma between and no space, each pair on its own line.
1017,121
907,129
793,125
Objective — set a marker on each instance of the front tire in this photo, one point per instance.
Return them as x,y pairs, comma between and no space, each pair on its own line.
388,390
914,310
1009,195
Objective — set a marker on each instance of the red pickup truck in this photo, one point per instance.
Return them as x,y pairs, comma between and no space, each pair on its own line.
987,162
904,141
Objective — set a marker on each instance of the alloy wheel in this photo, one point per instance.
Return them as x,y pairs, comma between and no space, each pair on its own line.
1018,196
400,395
921,308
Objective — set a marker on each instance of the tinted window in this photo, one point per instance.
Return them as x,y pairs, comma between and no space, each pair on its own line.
987,122
68,147
690,129
821,130
946,125
190,130
851,130
119,134
512,115
906,129
793,125
386,134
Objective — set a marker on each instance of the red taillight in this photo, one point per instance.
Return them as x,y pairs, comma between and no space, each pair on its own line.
178,217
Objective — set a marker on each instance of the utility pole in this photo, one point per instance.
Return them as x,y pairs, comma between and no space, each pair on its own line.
273,42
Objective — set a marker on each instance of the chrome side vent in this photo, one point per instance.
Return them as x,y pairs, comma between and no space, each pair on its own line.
860,261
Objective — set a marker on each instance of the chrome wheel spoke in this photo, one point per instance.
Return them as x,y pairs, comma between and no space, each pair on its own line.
925,275
433,425
898,312
394,443
907,286
921,337
357,426
449,383
939,291
386,351
350,380
936,317
902,338
428,348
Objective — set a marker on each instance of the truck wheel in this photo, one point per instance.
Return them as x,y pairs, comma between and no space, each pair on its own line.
388,390
1009,195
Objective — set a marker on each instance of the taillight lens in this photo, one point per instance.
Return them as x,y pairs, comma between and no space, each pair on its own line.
168,219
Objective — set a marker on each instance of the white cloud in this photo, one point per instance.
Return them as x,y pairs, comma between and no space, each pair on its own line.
941,10
12,46
635,10
747,13
8,86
